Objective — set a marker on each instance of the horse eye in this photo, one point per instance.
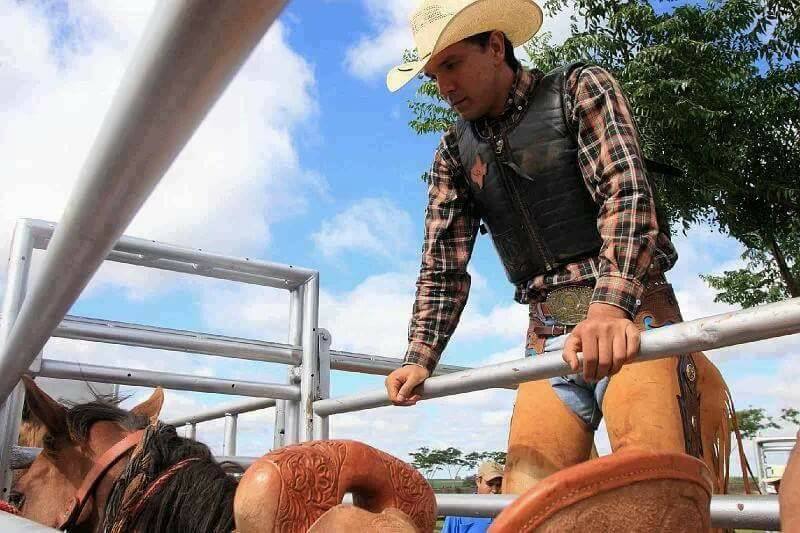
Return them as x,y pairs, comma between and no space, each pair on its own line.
17,499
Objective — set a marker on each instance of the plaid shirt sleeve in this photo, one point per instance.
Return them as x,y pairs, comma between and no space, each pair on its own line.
443,283
612,165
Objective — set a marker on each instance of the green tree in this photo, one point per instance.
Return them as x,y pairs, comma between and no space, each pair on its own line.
426,461
753,420
497,457
791,415
473,459
429,461
771,273
715,89
453,461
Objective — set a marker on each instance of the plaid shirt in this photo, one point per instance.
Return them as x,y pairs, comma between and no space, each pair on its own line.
612,167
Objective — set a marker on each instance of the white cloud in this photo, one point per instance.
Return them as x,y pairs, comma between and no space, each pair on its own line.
246,311
507,321
558,26
373,317
239,173
372,226
512,354
376,53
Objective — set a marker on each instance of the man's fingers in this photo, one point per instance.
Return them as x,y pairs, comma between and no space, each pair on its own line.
392,387
589,345
407,390
570,352
605,357
620,354
632,342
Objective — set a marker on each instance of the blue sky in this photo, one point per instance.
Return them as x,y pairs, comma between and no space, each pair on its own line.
307,159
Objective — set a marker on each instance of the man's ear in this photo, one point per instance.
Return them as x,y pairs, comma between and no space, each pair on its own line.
49,412
151,407
497,44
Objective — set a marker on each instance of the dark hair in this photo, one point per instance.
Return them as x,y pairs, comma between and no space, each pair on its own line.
482,40
198,497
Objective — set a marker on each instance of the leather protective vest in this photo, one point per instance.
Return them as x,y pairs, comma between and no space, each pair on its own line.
533,198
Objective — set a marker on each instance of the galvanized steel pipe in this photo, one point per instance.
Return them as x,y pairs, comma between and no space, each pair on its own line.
19,262
309,371
219,412
94,330
229,444
147,253
757,323
752,512
188,55
147,378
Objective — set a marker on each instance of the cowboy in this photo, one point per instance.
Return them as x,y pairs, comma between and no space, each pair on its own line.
488,480
551,165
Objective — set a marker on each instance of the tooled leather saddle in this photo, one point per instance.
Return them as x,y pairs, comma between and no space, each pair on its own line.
631,492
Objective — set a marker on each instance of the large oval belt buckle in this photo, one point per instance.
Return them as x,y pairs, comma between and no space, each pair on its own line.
569,305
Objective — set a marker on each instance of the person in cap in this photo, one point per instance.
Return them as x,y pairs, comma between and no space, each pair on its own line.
488,480
550,164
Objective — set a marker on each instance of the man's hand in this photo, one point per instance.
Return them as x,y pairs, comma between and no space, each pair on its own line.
401,383
608,340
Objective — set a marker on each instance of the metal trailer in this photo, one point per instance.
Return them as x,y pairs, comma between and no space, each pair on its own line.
770,445
165,94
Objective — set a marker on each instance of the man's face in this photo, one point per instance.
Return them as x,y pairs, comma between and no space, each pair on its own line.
493,486
467,76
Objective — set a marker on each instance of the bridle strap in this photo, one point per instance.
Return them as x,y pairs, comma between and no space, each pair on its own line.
95,475
156,485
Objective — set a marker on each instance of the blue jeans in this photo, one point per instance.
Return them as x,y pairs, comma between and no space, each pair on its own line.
584,398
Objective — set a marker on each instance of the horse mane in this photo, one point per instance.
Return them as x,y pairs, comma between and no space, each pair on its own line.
197,497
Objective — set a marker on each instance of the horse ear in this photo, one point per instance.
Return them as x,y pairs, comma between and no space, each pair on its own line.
45,409
151,407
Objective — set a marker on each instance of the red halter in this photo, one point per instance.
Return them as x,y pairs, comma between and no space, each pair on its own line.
92,479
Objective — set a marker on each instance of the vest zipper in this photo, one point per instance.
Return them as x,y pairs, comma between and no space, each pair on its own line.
527,223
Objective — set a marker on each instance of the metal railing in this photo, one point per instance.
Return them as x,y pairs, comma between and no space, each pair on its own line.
728,329
165,94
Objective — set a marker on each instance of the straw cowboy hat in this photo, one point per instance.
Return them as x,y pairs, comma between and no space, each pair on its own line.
437,24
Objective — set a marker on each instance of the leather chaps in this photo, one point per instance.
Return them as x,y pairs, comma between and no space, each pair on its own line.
678,404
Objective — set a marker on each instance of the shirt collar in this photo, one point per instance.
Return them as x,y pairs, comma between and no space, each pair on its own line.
517,99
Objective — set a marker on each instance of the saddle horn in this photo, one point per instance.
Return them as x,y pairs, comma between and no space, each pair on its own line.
292,490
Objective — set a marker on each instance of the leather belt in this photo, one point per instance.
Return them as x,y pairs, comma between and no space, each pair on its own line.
552,331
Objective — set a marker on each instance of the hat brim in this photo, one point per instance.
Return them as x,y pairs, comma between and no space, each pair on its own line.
402,74
519,20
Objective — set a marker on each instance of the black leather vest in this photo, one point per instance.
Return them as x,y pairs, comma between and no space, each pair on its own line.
533,198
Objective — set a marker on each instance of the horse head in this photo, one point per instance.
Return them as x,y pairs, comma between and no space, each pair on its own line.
73,440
